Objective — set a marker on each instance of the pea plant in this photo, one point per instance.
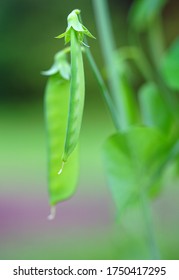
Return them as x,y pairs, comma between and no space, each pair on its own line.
141,95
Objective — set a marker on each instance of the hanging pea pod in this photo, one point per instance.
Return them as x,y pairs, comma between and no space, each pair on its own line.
74,33
77,93
64,101
57,95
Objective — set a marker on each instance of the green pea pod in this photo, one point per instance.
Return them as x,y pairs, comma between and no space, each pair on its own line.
74,33
77,93
56,111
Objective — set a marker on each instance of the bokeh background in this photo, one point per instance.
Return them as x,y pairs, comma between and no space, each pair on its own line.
85,226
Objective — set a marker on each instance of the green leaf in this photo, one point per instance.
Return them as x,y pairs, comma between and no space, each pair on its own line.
144,12
154,110
170,66
131,159
61,186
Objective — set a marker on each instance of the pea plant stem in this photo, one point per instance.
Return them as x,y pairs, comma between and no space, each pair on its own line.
108,48
152,72
156,40
157,48
134,53
104,90
148,221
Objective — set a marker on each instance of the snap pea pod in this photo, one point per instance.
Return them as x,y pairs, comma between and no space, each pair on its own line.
56,101
77,94
74,33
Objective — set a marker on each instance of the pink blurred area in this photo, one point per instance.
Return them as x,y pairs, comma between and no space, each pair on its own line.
81,223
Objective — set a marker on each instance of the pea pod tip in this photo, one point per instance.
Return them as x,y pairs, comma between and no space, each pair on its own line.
61,169
52,214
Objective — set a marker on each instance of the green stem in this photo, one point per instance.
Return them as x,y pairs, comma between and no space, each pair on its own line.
151,71
134,53
156,40
157,47
154,251
103,88
104,91
108,48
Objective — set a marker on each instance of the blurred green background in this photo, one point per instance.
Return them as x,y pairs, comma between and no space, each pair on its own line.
85,226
